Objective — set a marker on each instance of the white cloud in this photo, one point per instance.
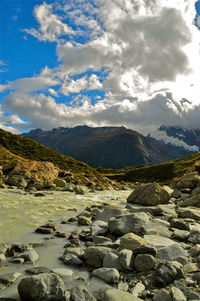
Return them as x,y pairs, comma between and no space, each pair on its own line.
51,25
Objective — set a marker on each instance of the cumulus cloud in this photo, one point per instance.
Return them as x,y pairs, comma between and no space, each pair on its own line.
149,49
50,25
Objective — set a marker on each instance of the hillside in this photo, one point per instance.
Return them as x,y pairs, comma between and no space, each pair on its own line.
14,147
161,172
102,146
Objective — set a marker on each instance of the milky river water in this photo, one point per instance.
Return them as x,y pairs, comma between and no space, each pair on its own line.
21,213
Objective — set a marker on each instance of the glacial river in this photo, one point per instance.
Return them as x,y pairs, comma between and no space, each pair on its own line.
21,213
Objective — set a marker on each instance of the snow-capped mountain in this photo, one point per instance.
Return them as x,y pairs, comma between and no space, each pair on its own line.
176,140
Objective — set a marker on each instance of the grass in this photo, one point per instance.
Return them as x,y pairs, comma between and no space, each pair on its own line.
14,147
163,172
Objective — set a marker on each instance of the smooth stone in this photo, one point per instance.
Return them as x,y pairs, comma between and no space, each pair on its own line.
144,262
126,259
42,287
138,289
101,239
2,258
85,221
163,295
131,241
99,228
17,260
28,255
123,286
178,224
112,294
177,294
63,272
42,230
9,278
38,270
109,275
172,253
158,241
110,260
180,235
70,259
80,294
190,213
145,249
79,252
51,225
157,227
166,274
94,255
193,296
109,212
190,268
123,224
194,237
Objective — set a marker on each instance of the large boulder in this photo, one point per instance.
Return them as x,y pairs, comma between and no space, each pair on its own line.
32,173
134,222
189,180
42,287
150,194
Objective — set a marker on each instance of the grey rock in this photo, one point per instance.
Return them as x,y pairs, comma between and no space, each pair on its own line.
94,255
70,259
112,294
193,201
150,195
110,260
144,262
109,212
63,272
163,295
80,294
9,278
134,222
131,241
177,294
172,253
43,287
138,289
196,277
179,224
166,274
189,180
193,296
98,228
29,255
38,270
2,258
126,259
190,213
79,252
123,286
109,275
194,237
180,235
157,227
145,249
85,221
101,239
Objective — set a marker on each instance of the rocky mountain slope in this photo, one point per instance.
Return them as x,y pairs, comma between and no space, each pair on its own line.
15,148
102,146
177,141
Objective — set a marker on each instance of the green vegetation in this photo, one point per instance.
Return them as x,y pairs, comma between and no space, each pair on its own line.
161,172
14,147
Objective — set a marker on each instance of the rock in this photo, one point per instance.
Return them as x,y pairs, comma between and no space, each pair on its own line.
85,221
112,294
165,210
158,241
190,213
195,191
196,277
69,187
38,270
94,255
9,278
163,295
193,201
177,294
79,252
44,230
99,227
144,262
138,289
145,249
179,224
17,260
126,259
172,253
181,235
28,255
134,222
80,294
193,296
80,190
42,287
109,212
51,225
110,260
190,268
131,241
157,227
166,274
123,286
189,180
59,182
194,237
98,240
33,173
39,194
2,258
109,275
63,272
150,194
70,259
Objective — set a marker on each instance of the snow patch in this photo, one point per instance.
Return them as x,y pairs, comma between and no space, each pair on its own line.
162,136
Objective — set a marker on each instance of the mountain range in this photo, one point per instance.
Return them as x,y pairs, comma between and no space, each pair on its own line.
102,146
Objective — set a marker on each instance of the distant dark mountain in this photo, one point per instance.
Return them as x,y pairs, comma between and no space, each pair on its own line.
176,141
102,146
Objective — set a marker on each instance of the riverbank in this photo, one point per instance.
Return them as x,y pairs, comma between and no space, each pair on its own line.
147,248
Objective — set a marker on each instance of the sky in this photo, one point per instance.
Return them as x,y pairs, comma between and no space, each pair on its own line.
133,63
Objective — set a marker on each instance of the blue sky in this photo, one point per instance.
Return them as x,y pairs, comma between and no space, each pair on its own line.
98,62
